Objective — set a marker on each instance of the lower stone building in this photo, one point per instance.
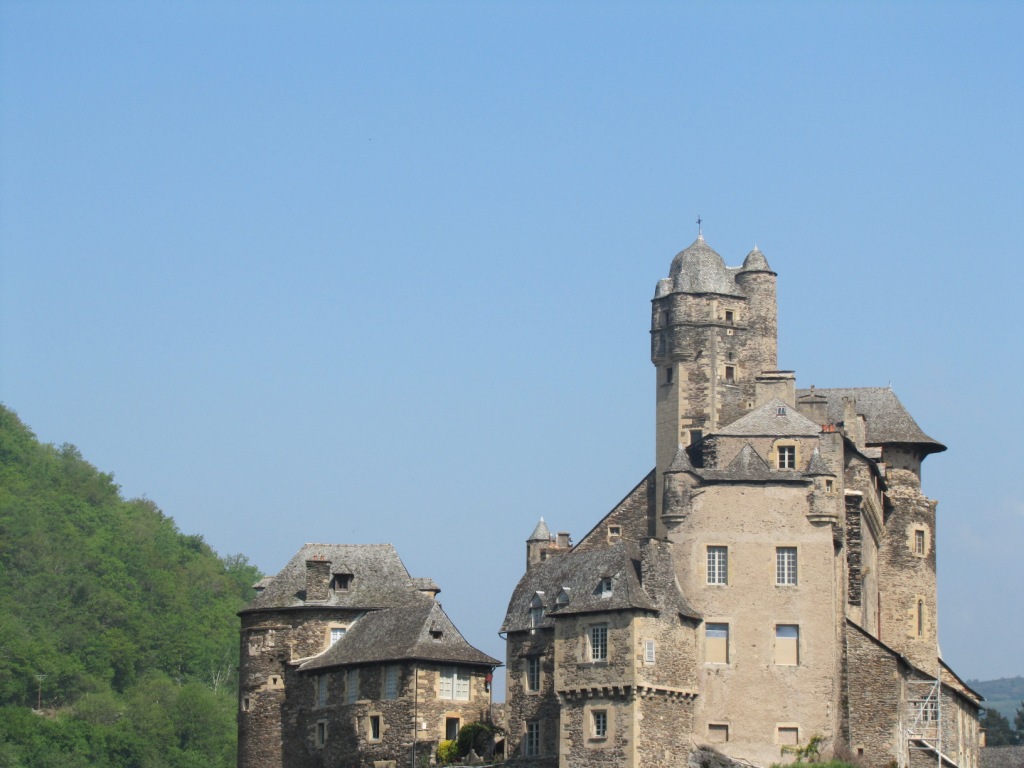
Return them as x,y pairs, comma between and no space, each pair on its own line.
347,661
769,587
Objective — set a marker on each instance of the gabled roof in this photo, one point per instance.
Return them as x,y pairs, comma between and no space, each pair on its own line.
766,421
886,420
403,633
379,578
681,462
581,572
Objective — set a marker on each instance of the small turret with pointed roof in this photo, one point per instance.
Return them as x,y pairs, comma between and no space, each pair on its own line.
540,543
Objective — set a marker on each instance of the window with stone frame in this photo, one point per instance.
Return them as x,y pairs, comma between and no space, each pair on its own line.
391,682
788,736
785,566
337,633
599,723
919,542
718,565
352,686
531,739
716,643
375,727
533,670
598,645
718,732
787,645
321,690
454,684
785,456
321,732
649,650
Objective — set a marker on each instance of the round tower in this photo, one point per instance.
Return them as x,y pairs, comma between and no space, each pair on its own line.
713,331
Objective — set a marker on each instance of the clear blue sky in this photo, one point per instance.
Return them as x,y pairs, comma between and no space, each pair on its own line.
380,272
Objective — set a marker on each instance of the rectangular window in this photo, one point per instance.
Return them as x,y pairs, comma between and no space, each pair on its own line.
599,643
718,732
337,633
716,642
374,728
718,565
668,375
533,673
605,587
391,682
321,690
926,710
789,736
342,582
648,651
321,732
787,456
451,728
531,744
919,542
787,644
352,686
729,316
454,684
599,723
730,374
536,611
785,566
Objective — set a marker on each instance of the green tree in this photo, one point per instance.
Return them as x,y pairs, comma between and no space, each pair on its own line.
1018,722
998,732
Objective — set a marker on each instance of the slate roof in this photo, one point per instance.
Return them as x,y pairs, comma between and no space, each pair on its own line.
765,421
817,465
699,269
886,420
402,633
750,467
379,579
755,262
580,573
541,532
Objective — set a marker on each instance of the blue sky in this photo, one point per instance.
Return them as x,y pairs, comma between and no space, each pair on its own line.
365,272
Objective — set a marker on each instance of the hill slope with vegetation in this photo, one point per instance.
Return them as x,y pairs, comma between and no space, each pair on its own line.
118,634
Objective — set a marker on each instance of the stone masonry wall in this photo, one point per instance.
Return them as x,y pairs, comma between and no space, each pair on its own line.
522,706
874,700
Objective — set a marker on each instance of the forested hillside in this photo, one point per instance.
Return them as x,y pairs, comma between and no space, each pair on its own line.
117,628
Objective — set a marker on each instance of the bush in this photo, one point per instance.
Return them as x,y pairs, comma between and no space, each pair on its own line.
447,751
478,737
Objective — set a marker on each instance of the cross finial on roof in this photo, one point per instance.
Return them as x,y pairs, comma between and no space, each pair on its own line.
700,232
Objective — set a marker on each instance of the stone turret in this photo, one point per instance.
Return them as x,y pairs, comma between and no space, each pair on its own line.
713,332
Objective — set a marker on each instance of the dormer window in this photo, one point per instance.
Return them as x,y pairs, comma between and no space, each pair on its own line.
342,582
604,587
780,411
436,635
536,611
563,597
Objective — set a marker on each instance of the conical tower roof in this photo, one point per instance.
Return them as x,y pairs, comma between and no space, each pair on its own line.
756,262
699,269
541,532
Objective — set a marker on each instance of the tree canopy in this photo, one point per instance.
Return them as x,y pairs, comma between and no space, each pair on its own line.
117,627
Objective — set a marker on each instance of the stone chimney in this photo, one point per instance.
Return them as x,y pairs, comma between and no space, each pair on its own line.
814,406
318,578
854,426
563,540
775,384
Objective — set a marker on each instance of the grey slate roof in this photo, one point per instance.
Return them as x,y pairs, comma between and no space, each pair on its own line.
681,462
886,420
580,573
749,467
756,262
765,422
402,633
699,269
379,578
817,465
541,532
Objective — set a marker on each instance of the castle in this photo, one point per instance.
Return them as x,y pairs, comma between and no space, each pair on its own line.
770,583
348,661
